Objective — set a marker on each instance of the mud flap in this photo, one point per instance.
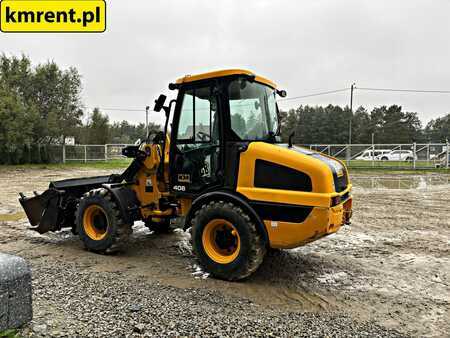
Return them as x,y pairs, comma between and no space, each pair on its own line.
348,211
43,210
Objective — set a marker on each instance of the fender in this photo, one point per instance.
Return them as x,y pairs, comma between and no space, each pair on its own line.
229,197
126,200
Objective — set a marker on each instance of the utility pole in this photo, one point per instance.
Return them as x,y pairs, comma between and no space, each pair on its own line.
349,147
373,149
351,114
146,121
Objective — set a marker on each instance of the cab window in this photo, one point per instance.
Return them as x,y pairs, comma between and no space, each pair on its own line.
198,117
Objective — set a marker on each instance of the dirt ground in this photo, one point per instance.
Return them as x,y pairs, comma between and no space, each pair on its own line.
391,266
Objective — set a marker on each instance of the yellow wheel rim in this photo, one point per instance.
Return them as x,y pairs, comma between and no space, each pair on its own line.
95,222
221,241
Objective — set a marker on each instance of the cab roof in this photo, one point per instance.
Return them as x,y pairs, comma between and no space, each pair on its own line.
223,73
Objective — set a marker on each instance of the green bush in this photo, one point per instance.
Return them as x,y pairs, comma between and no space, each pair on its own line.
34,154
9,334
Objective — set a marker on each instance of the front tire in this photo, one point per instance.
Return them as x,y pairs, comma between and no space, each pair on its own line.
226,242
99,223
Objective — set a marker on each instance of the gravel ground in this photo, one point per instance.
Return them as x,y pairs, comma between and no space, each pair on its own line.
386,275
111,305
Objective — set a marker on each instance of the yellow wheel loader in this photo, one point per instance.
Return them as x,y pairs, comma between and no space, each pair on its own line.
222,172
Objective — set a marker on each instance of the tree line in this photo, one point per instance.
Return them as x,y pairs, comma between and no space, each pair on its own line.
331,125
99,130
41,105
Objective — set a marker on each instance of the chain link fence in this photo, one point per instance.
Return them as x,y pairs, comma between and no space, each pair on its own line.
396,156
92,152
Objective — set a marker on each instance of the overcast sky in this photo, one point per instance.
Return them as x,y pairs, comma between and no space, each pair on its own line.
304,46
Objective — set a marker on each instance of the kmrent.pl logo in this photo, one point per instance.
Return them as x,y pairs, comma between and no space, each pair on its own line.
52,16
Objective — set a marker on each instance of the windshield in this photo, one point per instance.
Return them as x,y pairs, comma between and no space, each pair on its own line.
253,110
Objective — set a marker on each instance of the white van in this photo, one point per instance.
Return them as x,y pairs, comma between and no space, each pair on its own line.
370,154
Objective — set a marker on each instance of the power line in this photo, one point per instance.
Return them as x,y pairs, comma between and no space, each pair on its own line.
404,90
286,99
320,94
315,94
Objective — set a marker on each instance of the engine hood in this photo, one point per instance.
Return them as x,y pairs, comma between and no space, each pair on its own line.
327,174
337,168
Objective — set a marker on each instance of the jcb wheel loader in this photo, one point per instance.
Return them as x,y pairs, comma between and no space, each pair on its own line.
222,169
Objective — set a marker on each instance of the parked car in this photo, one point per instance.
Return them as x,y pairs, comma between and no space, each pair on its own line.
398,155
369,155
440,161
439,155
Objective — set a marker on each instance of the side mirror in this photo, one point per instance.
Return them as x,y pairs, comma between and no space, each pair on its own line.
159,103
282,93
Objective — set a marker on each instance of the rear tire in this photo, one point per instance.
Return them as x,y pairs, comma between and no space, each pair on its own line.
226,242
99,223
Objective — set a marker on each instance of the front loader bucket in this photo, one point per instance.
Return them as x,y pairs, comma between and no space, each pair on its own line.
54,209
42,210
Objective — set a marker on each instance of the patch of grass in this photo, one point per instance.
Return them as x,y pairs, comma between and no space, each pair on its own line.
112,164
395,167
394,164
9,334
399,171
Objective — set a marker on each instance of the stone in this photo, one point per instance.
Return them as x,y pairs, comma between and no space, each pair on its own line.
40,328
135,308
15,292
139,328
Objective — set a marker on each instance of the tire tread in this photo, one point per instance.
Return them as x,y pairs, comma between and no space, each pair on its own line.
257,248
123,231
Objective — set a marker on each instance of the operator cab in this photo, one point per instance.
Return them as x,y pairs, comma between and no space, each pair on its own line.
216,115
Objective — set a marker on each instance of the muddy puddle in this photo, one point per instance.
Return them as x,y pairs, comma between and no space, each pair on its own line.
15,216
401,182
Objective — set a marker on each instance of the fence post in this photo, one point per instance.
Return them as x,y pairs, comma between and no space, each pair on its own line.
448,154
85,154
64,153
106,152
373,155
347,154
414,155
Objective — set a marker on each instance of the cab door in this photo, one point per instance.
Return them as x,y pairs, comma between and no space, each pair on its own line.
196,155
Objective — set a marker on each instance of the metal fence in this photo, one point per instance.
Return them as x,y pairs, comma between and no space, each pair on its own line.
92,152
395,156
